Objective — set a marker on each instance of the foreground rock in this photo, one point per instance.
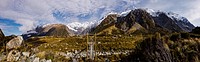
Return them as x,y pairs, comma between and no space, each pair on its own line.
13,55
14,43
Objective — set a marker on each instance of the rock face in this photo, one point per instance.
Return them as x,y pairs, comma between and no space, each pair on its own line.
13,55
2,36
14,43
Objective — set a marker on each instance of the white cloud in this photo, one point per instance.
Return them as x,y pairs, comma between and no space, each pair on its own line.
29,13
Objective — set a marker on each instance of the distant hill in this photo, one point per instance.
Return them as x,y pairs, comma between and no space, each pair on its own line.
57,30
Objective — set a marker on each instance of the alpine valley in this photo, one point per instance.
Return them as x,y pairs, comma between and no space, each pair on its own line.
138,35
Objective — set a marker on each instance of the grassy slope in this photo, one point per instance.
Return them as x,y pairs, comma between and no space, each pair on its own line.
52,45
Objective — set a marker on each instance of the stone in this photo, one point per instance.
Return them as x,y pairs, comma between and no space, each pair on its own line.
13,55
36,59
31,58
26,54
49,60
14,43
43,60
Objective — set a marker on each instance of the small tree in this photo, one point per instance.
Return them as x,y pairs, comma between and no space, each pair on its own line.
175,37
185,35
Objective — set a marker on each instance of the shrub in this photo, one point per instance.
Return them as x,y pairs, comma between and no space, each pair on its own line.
175,37
196,30
157,36
185,35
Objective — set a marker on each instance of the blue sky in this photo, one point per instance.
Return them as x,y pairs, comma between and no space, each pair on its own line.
9,27
19,16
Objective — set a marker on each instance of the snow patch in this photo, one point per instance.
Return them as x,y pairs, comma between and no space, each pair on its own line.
77,26
152,12
125,13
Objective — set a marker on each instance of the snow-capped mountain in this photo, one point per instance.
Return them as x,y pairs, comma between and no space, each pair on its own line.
78,27
179,20
149,20
169,20
156,13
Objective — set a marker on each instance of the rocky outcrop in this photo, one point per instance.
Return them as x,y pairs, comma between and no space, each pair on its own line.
14,43
2,36
150,50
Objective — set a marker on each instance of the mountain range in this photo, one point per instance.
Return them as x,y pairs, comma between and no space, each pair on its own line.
145,21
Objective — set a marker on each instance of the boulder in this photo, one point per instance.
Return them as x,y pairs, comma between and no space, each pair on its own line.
13,55
14,43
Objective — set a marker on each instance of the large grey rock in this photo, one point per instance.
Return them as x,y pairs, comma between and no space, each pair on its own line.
13,55
14,43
